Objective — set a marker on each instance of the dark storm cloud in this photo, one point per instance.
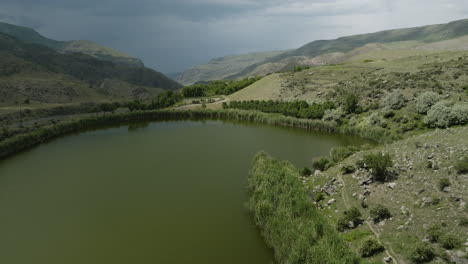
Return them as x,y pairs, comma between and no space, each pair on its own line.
171,35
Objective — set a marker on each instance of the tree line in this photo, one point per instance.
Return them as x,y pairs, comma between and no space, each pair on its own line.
225,87
299,109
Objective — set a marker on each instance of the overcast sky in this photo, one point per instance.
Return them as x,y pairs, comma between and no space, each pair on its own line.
172,35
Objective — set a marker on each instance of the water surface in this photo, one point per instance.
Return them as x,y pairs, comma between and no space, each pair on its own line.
167,192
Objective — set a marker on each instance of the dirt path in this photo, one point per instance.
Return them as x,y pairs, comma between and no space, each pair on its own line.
388,249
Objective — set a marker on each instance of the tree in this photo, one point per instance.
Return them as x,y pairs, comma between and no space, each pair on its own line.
350,104
379,163
380,213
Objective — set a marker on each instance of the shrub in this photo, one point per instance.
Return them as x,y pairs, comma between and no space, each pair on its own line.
321,164
306,172
347,169
434,233
319,197
425,101
422,253
443,114
338,154
395,100
379,163
450,242
463,221
350,103
459,114
444,182
376,120
352,216
334,115
439,115
379,213
370,248
387,112
462,165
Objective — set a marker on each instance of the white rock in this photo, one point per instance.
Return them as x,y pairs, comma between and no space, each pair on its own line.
331,201
391,185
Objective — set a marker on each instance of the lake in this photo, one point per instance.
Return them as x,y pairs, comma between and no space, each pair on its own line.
163,192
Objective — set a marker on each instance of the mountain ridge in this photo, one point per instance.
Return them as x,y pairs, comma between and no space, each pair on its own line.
289,59
40,74
95,50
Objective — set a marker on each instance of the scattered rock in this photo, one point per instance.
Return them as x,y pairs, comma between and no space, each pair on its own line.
387,259
391,185
331,201
426,201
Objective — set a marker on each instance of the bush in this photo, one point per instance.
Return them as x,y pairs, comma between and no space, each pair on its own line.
333,115
350,103
443,114
338,154
463,221
319,197
379,163
444,182
450,242
376,120
387,112
425,101
322,164
422,253
434,233
439,115
352,216
306,172
370,248
347,169
379,213
462,165
459,114
395,100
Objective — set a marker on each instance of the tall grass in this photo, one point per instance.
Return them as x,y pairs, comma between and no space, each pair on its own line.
25,141
288,220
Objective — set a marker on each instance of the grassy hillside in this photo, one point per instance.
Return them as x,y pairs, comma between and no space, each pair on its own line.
29,35
424,193
220,68
40,74
426,34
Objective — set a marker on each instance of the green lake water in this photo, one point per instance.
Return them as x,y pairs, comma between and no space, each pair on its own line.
165,192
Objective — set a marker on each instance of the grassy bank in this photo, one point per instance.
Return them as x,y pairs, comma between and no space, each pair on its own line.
288,220
21,142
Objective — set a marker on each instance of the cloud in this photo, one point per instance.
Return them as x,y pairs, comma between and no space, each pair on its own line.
171,35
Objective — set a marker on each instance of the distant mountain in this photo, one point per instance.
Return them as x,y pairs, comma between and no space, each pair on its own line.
332,51
221,68
29,35
42,74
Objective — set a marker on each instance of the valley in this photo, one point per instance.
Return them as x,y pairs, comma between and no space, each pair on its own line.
373,128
